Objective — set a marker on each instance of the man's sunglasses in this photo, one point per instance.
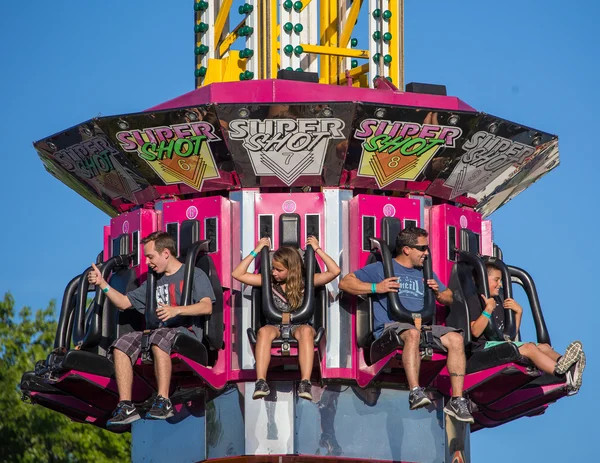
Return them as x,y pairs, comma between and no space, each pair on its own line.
418,247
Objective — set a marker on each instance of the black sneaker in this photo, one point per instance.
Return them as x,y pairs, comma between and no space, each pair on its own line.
125,413
458,407
161,409
305,389
330,443
261,389
572,354
417,398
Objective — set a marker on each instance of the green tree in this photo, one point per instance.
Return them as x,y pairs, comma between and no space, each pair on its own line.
32,433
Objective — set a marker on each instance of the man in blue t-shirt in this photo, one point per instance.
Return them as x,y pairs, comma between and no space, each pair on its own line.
411,249
159,249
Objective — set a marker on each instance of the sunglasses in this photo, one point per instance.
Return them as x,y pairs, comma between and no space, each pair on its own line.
418,247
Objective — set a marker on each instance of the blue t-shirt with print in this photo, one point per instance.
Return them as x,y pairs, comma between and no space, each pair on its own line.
411,292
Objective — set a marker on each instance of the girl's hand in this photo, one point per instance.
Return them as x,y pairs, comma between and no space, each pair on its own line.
512,305
312,241
264,241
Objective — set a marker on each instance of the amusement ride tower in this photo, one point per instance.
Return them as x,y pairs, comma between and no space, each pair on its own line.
296,132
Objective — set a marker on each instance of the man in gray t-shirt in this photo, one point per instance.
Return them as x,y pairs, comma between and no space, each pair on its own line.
412,247
159,249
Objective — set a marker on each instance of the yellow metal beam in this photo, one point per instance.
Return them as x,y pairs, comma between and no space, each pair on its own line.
333,40
305,4
397,43
355,73
335,51
349,25
273,44
323,34
231,37
221,18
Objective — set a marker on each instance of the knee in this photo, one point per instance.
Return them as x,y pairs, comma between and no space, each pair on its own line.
412,336
304,332
266,333
528,348
544,346
455,342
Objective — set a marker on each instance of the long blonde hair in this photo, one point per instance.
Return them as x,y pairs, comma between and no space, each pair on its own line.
294,284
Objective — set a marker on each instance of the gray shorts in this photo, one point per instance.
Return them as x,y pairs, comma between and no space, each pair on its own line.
131,343
437,330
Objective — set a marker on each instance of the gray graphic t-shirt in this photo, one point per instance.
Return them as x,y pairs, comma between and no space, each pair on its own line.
411,292
168,292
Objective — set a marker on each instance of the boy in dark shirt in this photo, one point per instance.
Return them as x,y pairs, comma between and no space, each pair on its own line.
570,365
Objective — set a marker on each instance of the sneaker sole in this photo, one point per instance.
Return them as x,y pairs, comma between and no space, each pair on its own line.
125,422
579,372
572,354
154,417
421,403
455,416
305,395
260,394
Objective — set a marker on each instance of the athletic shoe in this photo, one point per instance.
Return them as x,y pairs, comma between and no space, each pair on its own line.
418,399
161,409
125,413
574,376
330,443
458,407
305,389
571,355
261,389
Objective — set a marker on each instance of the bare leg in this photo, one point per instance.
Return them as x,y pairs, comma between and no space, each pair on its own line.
547,349
538,357
411,359
162,370
262,351
123,373
305,335
456,362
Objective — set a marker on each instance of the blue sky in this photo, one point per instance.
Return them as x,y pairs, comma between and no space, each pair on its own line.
533,62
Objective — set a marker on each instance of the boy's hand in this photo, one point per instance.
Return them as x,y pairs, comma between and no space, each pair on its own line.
513,305
95,276
388,285
165,312
490,304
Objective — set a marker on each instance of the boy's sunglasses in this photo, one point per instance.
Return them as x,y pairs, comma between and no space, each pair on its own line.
418,247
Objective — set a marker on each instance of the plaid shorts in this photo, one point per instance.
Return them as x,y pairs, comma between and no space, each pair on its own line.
437,330
131,343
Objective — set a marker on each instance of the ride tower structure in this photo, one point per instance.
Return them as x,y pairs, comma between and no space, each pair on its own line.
294,130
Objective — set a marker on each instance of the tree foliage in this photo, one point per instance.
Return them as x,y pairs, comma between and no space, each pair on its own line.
32,433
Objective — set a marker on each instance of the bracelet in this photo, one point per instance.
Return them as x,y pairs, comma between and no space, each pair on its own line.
486,315
317,250
253,254
105,290
373,288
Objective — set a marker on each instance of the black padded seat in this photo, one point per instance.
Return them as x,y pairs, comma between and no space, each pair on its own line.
389,342
87,362
496,356
191,347
30,382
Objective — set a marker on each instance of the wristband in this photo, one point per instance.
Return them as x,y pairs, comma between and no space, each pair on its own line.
105,290
373,288
253,254
317,250
486,315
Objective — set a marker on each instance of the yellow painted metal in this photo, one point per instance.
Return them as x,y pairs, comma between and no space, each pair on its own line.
355,73
333,40
221,18
323,40
225,69
264,41
396,7
274,64
231,37
335,51
305,4
349,25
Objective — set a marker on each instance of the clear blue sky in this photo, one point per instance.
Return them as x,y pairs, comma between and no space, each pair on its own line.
534,62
